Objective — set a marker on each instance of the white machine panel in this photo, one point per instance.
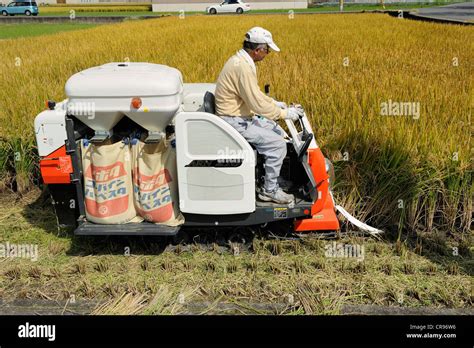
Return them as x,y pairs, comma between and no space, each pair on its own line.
193,95
50,130
225,183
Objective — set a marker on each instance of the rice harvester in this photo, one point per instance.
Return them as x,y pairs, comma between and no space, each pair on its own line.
217,171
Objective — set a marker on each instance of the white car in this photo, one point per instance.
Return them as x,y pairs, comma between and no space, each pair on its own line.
229,6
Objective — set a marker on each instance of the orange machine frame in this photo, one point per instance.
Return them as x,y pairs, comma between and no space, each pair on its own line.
322,211
56,167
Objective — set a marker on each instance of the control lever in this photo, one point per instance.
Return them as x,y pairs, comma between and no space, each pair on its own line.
306,137
307,141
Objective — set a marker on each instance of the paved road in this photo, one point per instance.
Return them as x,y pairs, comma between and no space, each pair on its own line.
463,12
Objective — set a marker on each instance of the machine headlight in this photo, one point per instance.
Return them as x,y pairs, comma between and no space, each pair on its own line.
330,171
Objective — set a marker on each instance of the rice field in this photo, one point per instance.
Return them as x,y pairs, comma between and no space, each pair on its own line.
51,10
395,170
408,173
272,277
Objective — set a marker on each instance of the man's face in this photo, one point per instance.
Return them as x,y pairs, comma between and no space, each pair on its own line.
261,53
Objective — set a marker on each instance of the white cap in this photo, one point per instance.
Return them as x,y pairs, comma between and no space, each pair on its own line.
261,36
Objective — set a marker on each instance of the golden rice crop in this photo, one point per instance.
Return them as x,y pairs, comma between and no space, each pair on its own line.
414,172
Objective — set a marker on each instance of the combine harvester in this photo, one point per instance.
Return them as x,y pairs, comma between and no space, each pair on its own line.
135,151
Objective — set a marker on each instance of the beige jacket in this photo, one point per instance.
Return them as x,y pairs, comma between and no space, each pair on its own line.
238,94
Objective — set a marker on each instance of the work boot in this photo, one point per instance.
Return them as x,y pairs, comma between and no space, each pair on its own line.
277,196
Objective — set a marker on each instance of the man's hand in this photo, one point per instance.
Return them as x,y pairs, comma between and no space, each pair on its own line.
294,113
281,105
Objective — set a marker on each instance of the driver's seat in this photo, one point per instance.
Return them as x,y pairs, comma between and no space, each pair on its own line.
209,103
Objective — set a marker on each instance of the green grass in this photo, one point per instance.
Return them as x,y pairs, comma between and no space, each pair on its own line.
411,273
101,14
11,31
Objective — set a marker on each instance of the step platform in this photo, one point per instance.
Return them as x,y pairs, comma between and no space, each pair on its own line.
130,229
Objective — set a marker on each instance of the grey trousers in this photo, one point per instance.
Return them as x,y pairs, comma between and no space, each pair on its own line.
267,137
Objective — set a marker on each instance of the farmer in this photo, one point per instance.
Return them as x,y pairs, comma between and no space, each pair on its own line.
238,101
